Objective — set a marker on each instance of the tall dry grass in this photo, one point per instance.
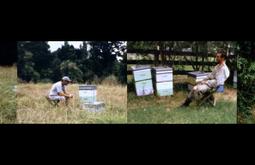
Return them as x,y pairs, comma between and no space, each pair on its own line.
32,107
8,80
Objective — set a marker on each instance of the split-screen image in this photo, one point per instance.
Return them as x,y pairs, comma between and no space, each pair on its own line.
127,82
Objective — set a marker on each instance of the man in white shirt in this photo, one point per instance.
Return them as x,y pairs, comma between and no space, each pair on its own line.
215,79
58,91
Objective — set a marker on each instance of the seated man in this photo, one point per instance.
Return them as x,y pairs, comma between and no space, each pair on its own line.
58,91
215,79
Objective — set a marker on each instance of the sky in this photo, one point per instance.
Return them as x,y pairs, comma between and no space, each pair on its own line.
54,45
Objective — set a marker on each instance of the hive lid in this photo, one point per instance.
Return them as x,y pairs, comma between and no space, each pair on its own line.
140,67
87,87
198,74
162,69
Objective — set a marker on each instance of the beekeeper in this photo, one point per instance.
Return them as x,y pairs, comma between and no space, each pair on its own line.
58,91
215,79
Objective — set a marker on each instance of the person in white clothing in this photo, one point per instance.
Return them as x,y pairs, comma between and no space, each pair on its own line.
58,91
215,79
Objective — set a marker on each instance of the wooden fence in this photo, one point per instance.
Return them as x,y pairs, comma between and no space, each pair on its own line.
200,59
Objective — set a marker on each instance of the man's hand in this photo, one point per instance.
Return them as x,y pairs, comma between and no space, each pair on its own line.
65,94
202,82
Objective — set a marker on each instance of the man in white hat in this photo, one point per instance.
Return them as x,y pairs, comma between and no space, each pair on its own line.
58,91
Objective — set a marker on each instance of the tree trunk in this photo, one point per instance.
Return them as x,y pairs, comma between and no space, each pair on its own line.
205,53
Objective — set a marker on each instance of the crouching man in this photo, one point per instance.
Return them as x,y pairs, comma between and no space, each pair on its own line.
58,91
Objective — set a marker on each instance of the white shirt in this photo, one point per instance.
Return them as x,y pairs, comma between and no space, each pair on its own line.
219,75
56,88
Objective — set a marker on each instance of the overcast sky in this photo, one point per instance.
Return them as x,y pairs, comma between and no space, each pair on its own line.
54,45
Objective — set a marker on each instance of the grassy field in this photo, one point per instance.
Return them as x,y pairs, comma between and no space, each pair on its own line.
152,109
8,79
32,106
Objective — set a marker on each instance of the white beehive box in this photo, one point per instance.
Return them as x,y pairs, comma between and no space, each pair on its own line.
88,99
144,87
163,80
94,107
196,77
141,73
143,80
164,88
87,93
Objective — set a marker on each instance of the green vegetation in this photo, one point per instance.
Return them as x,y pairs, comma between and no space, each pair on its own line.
165,110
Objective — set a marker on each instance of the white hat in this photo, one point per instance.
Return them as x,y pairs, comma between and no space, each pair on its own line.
66,78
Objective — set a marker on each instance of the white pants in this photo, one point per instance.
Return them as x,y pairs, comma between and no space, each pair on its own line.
57,98
197,90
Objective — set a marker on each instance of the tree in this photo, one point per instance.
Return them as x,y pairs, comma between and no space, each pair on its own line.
68,68
103,57
93,59
85,63
36,59
26,63
120,69
246,80
66,52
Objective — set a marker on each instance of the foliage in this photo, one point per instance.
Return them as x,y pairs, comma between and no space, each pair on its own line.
246,80
103,58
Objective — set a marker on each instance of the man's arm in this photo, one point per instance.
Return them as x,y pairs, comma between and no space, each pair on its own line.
69,94
62,92
223,76
210,76
65,94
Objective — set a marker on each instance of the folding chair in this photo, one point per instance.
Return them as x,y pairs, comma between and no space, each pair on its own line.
208,96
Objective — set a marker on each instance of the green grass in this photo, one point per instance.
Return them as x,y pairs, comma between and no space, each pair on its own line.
165,110
8,79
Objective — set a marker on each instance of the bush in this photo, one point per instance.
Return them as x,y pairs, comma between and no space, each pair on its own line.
46,80
68,68
246,81
95,80
110,80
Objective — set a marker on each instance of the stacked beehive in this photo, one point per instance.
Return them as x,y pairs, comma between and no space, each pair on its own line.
163,81
88,99
143,80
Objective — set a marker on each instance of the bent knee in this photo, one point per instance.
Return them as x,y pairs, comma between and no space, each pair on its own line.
195,88
62,98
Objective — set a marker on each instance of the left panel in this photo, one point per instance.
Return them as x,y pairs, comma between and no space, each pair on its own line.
8,81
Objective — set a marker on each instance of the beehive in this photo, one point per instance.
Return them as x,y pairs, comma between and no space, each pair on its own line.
87,93
143,80
88,99
94,107
163,80
196,77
